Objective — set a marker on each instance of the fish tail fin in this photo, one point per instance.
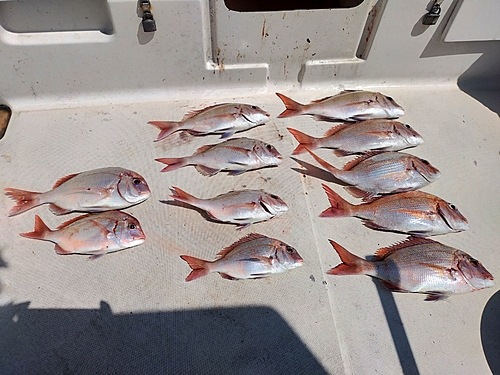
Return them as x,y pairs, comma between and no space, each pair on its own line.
306,142
330,168
40,232
166,128
25,200
293,108
172,163
339,206
351,264
198,266
181,196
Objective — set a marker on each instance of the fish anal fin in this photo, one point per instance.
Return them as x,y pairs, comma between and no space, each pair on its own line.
384,252
206,171
339,152
64,179
325,118
59,250
372,225
247,238
237,172
56,210
358,193
392,287
227,134
227,277
435,296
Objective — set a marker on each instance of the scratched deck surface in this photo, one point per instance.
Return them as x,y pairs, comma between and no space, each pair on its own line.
133,311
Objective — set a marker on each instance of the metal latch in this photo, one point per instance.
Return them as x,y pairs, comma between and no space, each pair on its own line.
148,22
433,15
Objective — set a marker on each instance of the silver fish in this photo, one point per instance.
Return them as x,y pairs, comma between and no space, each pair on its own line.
91,191
389,172
92,234
225,119
252,257
236,155
361,137
413,212
349,105
418,265
243,207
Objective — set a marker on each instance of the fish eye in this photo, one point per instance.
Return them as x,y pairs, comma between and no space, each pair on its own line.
391,99
131,226
254,107
289,249
407,126
453,207
425,162
273,196
474,262
136,181
269,147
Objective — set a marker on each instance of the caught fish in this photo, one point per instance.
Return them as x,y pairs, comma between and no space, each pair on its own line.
413,212
91,191
236,155
225,119
243,207
349,105
252,257
92,234
389,172
361,137
418,265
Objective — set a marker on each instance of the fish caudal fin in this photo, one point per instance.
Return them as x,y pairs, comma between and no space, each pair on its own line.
306,142
25,200
40,232
292,107
198,266
166,128
351,264
172,163
330,168
339,206
181,196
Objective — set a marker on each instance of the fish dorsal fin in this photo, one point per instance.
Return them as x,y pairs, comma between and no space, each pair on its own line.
336,129
350,165
384,252
62,180
322,99
71,221
203,149
196,112
247,238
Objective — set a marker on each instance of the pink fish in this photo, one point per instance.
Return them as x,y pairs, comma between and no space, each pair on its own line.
418,265
236,155
361,137
91,191
242,207
92,234
252,257
349,105
413,212
225,119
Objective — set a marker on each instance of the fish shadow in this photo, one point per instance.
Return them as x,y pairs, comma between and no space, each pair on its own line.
313,171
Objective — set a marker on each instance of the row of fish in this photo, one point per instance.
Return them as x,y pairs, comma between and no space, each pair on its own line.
380,171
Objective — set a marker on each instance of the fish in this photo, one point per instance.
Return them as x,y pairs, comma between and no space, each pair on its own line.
254,256
236,155
225,119
91,191
360,137
413,212
348,105
92,234
418,265
378,173
242,207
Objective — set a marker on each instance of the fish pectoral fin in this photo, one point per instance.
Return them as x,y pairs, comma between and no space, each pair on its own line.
207,171
259,275
392,287
435,296
226,276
